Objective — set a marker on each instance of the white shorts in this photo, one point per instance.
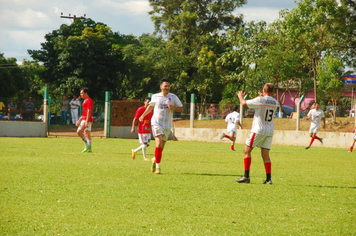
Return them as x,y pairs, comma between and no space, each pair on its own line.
314,128
81,126
355,136
259,140
232,134
158,130
144,138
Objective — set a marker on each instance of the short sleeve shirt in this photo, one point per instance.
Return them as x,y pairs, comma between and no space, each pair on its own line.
162,116
231,120
265,108
144,127
87,104
316,116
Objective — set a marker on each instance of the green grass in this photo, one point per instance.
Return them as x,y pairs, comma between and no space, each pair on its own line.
48,187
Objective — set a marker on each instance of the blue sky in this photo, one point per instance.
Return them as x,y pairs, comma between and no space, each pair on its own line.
24,23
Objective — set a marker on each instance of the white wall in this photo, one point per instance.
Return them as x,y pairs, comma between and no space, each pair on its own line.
23,129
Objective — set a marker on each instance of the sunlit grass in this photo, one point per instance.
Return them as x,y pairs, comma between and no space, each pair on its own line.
48,187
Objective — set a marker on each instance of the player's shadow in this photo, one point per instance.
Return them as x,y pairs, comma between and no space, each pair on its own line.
209,174
321,186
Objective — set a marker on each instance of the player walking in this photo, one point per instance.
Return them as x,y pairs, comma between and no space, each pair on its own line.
315,115
163,105
85,121
143,129
262,130
232,120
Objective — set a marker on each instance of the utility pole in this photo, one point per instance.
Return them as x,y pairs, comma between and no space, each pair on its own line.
74,17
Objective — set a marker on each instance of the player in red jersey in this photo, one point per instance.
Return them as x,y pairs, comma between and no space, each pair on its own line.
86,120
143,129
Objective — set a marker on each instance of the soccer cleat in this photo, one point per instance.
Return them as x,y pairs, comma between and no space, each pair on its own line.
145,159
307,147
86,149
233,150
153,165
158,171
268,182
243,180
222,136
321,140
133,154
349,151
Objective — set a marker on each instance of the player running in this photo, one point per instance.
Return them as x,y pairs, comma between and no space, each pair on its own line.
85,121
316,115
163,105
232,120
143,129
262,130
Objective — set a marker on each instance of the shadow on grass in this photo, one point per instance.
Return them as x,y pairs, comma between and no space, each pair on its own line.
207,174
321,186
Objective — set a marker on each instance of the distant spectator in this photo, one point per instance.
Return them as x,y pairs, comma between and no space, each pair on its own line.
226,111
2,108
74,107
212,111
30,106
12,107
64,110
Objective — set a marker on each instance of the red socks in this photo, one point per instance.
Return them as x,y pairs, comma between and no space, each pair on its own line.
268,167
232,147
158,154
247,162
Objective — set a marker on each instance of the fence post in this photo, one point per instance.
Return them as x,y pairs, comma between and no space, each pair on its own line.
107,115
298,111
45,108
192,110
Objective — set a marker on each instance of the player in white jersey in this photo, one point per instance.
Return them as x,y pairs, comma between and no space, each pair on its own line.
262,130
232,120
316,115
163,105
353,139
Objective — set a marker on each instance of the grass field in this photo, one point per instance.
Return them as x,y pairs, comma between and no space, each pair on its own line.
49,188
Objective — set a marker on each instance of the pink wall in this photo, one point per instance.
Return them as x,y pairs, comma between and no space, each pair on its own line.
288,100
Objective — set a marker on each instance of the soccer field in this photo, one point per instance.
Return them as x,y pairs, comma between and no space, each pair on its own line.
48,187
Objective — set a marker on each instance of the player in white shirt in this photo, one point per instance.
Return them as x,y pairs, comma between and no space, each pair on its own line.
163,105
316,115
232,120
353,139
262,130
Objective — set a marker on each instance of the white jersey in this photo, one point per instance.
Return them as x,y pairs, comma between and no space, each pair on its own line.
265,108
162,116
231,120
316,116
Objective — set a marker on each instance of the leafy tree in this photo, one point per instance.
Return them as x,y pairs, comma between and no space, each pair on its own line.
192,28
88,54
316,27
329,76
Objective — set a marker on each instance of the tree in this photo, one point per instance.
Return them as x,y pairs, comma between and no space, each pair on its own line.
88,54
330,81
192,28
316,27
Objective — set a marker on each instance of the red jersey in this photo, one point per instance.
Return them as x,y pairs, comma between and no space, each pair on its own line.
87,104
144,127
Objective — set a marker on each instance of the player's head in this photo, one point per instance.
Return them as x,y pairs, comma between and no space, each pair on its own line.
165,86
147,100
316,106
84,92
268,88
234,108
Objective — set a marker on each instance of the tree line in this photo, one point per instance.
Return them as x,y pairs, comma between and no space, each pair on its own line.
202,47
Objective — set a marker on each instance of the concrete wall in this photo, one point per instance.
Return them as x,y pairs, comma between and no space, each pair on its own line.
23,129
281,137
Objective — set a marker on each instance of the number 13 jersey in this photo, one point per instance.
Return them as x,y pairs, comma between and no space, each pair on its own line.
265,108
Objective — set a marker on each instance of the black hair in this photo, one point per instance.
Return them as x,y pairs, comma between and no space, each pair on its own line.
85,90
165,80
235,108
147,98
